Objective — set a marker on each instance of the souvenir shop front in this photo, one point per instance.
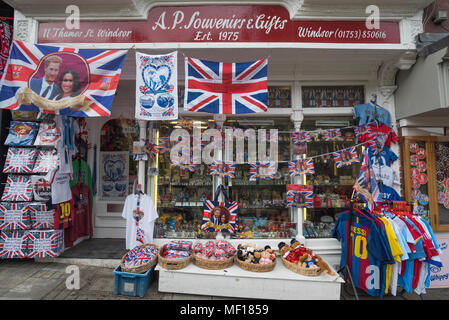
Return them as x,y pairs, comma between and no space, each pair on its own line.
289,168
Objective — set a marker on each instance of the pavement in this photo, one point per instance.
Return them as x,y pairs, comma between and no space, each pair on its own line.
31,280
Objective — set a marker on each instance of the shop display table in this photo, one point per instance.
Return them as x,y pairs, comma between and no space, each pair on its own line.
280,283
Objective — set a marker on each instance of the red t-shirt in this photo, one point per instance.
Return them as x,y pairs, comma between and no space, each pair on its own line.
82,225
381,130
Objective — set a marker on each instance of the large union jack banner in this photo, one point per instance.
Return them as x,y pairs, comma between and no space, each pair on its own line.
19,160
43,244
219,216
18,188
69,81
299,196
301,167
225,87
345,157
14,216
13,244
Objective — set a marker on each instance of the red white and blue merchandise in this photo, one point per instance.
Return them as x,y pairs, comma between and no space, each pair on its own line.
332,135
14,216
265,170
224,169
46,161
19,160
370,112
60,186
140,216
27,86
41,188
64,215
156,86
21,133
48,134
45,243
13,244
301,167
299,196
219,216
384,157
177,163
18,188
226,88
366,185
140,256
345,157
42,217
301,137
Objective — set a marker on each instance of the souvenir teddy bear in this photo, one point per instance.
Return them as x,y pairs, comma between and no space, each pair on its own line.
324,266
307,261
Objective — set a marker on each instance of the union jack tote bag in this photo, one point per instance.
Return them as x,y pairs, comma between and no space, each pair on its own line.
14,216
18,188
46,161
44,243
42,218
19,160
13,244
220,216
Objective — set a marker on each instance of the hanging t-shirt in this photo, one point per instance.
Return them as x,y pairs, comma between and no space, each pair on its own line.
140,219
368,113
64,215
81,168
384,157
387,193
382,133
82,224
385,174
60,187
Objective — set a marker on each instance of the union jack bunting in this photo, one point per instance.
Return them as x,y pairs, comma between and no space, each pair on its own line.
225,218
224,169
262,170
299,196
19,160
226,88
41,217
44,243
301,137
362,130
301,167
18,188
176,163
346,157
13,244
163,145
14,216
98,72
46,161
332,135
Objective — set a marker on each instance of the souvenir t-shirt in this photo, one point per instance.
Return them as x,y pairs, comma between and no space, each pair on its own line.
81,173
384,133
60,187
368,113
82,223
384,157
387,193
140,217
21,133
386,175
41,188
49,134
64,215
19,160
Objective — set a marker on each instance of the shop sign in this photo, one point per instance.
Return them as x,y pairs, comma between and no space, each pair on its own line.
228,23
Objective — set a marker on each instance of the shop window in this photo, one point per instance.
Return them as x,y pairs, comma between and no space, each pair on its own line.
117,169
332,96
426,175
332,186
278,97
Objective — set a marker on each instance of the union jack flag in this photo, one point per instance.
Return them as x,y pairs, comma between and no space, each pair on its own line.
226,88
262,170
332,135
299,196
224,169
163,145
13,244
366,129
41,217
301,167
99,76
18,188
227,209
14,216
44,243
346,157
176,163
46,161
19,160
301,137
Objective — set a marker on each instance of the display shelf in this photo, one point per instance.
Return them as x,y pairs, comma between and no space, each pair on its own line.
279,284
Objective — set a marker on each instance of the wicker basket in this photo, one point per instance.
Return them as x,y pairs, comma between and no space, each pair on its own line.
255,267
212,264
173,264
142,268
298,269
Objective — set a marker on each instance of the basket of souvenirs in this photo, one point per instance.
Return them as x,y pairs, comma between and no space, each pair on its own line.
255,259
302,260
139,259
175,255
214,255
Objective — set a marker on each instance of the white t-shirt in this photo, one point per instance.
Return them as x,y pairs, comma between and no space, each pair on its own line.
385,174
146,222
60,186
